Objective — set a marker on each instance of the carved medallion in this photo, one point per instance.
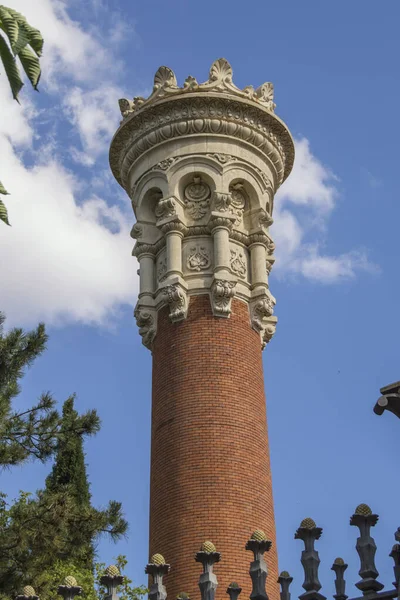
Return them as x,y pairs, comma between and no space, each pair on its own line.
197,198
198,258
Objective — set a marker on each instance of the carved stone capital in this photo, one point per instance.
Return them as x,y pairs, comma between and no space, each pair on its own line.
259,238
140,249
174,226
217,220
222,292
176,297
146,320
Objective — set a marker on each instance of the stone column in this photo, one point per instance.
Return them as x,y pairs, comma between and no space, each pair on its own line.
201,164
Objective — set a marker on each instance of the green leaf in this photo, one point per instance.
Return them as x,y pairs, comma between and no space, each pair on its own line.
3,189
34,35
10,68
31,65
22,41
35,39
9,25
3,213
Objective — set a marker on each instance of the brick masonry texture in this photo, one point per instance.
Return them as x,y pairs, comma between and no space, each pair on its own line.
210,468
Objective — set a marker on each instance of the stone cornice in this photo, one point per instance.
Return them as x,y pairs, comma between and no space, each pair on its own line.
212,110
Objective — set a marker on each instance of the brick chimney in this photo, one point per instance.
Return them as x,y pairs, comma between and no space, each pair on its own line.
201,164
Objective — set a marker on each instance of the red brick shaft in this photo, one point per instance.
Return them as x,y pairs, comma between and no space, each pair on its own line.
210,469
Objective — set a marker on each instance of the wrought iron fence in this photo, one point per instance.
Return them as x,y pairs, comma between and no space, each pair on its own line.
369,586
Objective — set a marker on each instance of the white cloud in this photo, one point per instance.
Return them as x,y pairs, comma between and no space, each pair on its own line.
94,114
302,209
69,50
67,256
61,262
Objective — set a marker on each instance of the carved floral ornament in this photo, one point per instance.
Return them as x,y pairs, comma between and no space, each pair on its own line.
219,80
197,198
198,258
238,263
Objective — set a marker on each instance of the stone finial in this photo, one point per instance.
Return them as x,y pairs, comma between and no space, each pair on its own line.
395,554
28,593
112,578
70,588
339,567
157,568
284,581
208,582
233,590
364,519
390,400
258,544
308,532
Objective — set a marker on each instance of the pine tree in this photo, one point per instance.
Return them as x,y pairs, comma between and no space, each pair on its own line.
37,531
32,433
69,475
69,468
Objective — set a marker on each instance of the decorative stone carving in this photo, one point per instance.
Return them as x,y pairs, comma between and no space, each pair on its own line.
198,258
172,151
270,246
197,198
265,219
238,263
146,320
269,264
166,207
163,165
222,292
176,298
136,231
221,158
162,268
201,116
269,332
262,321
220,80
261,309
238,201
221,202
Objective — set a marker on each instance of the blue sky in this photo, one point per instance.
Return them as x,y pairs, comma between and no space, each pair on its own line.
67,257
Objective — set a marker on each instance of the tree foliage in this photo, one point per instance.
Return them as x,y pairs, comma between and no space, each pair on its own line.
37,532
126,591
33,432
18,40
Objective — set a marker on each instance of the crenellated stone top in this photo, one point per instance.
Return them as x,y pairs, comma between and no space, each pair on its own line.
201,164
219,80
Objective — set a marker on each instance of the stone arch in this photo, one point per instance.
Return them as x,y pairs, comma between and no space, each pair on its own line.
182,173
145,210
257,185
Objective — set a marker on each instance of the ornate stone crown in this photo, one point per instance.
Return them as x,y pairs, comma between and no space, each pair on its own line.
201,164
